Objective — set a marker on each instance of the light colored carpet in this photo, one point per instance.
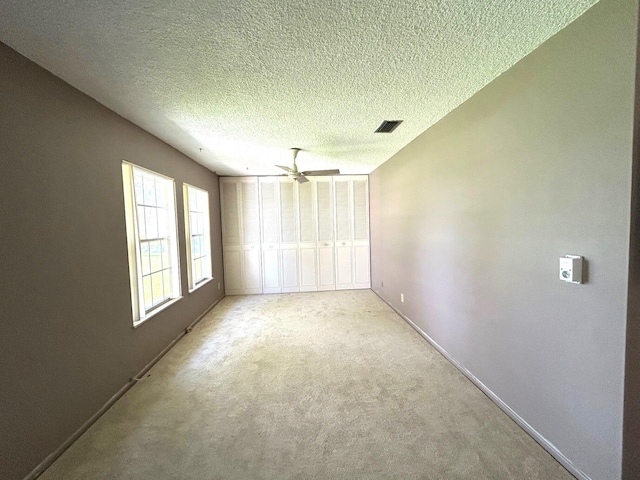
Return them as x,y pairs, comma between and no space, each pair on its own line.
327,385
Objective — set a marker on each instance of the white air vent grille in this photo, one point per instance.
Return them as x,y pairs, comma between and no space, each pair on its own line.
388,126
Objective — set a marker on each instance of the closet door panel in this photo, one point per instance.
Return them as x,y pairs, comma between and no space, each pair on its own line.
229,192
290,270
250,211
232,271
361,267
326,238
307,222
344,263
344,233
252,278
249,206
326,272
269,211
308,277
271,271
289,235
361,249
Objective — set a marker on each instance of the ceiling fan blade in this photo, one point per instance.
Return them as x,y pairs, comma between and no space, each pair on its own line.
322,172
301,179
286,169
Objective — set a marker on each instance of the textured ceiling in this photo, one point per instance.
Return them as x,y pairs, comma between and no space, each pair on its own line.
235,84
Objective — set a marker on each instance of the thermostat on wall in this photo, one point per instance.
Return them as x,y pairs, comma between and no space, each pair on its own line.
571,268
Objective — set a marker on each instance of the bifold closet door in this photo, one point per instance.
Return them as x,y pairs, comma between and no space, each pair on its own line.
289,235
269,212
326,239
241,235
361,246
231,237
352,232
308,239
344,232
282,236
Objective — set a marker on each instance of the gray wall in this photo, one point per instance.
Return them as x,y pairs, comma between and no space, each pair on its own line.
631,442
67,343
469,220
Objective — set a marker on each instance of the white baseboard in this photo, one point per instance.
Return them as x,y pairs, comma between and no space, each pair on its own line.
546,444
53,456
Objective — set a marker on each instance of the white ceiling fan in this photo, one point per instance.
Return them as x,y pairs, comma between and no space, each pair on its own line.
301,177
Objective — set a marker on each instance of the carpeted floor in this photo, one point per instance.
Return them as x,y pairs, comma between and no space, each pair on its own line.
327,385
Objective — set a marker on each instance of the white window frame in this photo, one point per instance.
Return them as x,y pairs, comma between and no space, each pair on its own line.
190,211
135,243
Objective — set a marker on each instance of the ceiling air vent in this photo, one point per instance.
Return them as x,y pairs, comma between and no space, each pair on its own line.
388,126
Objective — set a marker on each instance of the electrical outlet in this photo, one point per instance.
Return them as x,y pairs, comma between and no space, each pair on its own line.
382,283
402,298
218,285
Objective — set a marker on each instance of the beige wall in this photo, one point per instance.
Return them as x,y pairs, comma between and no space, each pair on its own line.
468,222
67,343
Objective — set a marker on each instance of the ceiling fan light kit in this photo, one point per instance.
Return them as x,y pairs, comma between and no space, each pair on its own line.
301,177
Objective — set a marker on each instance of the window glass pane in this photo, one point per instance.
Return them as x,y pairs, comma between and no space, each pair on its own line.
149,188
156,255
137,182
197,270
166,259
199,229
163,224
151,222
156,288
145,258
166,280
192,223
161,192
146,287
142,230
199,233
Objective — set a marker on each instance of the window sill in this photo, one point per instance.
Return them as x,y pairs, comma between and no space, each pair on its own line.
204,282
156,311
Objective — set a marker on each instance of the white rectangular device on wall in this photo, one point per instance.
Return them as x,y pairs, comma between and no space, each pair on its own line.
571,268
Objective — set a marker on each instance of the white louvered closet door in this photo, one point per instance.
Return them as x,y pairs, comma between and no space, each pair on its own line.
289,235
344,232
361,247
281,236
326,238
231,236
250,228
308,238
269,209
240,235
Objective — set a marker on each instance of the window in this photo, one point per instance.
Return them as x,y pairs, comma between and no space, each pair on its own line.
151,237
196,215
